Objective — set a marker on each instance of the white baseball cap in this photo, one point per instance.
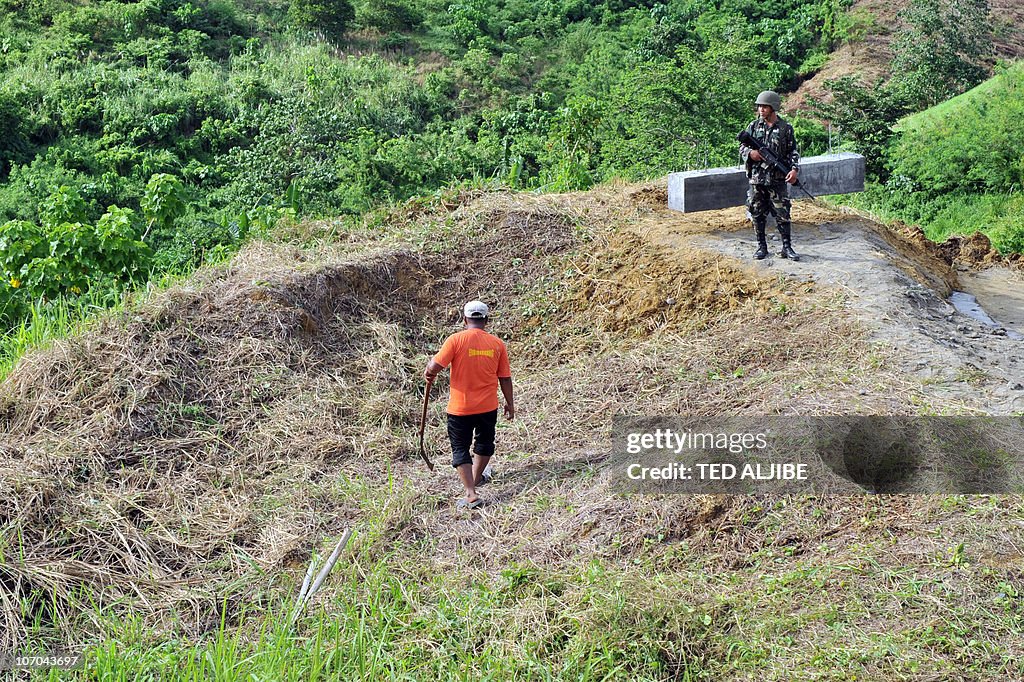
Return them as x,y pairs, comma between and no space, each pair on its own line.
475,310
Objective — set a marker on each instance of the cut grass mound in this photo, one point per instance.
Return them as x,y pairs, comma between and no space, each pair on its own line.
167,477
146,457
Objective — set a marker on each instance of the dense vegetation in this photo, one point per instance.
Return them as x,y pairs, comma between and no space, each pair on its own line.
141,138
952,165
205,120
956,168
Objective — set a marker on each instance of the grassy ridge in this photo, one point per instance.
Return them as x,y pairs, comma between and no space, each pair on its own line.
965,105
247,433
956,168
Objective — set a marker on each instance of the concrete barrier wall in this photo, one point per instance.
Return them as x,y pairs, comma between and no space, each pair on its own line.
705,190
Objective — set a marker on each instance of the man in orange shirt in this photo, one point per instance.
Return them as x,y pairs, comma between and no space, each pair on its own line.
479,366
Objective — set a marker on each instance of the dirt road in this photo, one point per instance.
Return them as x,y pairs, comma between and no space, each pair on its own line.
897,288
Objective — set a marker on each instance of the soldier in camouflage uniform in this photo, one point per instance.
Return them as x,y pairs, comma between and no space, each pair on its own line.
769,191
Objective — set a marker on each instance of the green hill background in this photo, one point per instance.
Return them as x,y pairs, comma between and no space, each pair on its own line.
282,200
207,122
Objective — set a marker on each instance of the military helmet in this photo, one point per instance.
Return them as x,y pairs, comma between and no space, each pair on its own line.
770,98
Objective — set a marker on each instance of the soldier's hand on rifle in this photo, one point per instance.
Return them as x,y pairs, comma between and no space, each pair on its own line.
791,177
755,155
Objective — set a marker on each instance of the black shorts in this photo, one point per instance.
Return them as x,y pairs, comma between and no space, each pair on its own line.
461,428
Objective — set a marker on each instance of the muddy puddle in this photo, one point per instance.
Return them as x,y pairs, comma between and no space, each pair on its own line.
995,297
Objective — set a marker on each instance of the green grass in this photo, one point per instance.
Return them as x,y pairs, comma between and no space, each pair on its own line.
999,216
526,624
955,167
399,611
965,102
394,618
49,321
46,322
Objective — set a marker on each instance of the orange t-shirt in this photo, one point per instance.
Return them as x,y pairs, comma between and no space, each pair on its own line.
478,360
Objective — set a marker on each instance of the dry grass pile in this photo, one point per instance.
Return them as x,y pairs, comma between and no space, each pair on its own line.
635,287
169,452
554,504
192,453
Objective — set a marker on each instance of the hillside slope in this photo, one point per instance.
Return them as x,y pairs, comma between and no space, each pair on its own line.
968,104
182,462
867,55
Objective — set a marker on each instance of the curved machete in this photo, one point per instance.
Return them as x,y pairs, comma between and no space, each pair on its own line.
423,424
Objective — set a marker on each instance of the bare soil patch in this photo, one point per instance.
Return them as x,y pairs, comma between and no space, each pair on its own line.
867,57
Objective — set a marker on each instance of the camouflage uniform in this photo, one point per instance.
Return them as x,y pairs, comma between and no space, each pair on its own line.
769,191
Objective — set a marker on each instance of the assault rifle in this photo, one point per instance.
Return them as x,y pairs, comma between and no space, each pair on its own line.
770,157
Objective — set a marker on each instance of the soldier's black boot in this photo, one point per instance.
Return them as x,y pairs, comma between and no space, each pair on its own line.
787,251
787,246
762,242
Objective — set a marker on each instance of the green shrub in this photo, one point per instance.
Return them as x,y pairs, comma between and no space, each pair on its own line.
330,16
14,304
80,257
972,145
21,242
63,206
468,20
187,247
863,116
811,135
66,256
162,203
999,216
102,23
389,15
14,143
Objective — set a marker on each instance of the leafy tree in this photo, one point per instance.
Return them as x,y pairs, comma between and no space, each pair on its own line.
683,113
330,16
468,20
943,51
864,116
572,144
520,130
